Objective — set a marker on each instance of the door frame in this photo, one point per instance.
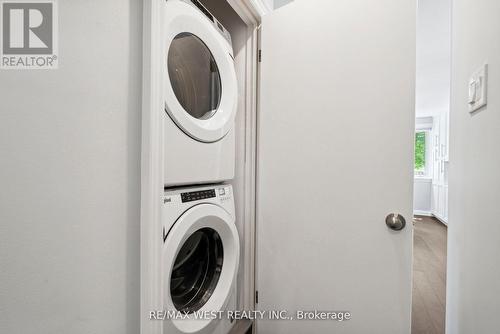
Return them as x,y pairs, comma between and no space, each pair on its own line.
152,159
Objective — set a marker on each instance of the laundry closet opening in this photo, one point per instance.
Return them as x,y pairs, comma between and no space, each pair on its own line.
204,72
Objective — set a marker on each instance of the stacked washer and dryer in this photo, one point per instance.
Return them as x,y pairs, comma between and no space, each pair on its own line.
200,241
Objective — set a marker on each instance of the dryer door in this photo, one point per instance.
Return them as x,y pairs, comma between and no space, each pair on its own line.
201,254
200,86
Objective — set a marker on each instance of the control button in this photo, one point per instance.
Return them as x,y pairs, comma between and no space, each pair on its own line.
222,191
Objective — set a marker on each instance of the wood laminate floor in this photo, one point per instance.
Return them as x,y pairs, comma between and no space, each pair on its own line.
429,276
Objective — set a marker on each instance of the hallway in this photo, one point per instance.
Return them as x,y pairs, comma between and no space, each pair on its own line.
429,276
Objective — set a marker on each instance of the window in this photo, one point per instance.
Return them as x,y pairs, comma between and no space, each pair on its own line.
421,153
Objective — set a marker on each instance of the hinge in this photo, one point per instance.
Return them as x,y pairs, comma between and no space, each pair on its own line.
256,296
260,56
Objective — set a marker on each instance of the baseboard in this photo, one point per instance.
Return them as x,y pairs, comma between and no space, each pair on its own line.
422,213
442,220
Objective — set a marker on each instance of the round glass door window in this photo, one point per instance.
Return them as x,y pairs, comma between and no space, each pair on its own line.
194,76
196,270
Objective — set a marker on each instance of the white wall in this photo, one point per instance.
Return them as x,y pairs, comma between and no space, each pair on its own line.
280,3
422,188
474,232
70,178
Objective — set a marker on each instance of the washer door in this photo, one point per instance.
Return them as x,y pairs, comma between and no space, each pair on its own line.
201,255
200,87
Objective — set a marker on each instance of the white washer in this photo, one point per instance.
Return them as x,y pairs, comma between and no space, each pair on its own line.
200,94
200,258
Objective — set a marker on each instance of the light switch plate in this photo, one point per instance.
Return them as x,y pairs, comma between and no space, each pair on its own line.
478,89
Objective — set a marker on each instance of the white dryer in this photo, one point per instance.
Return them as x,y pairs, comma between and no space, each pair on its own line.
200,259
200,94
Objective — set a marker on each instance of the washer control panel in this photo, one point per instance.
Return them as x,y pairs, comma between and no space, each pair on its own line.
176,201
197,195
224,193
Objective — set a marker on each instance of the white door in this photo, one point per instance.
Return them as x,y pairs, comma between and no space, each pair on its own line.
335,145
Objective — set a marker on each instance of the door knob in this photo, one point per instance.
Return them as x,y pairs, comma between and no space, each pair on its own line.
395,222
